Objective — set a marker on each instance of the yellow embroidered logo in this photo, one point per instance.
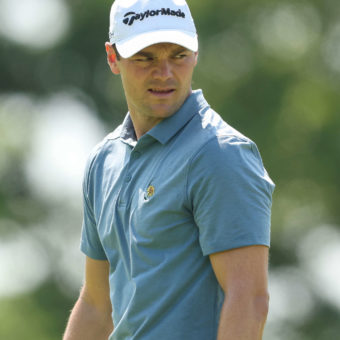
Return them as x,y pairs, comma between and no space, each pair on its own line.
150,191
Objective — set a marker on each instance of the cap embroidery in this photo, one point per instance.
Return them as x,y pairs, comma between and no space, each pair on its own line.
130,17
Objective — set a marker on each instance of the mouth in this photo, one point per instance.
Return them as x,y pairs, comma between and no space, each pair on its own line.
161,92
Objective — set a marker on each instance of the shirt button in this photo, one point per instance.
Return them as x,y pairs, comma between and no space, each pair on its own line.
128,178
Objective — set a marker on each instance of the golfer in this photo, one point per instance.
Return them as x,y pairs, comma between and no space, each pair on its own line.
177,203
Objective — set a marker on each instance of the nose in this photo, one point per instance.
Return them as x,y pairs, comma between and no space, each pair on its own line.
163,70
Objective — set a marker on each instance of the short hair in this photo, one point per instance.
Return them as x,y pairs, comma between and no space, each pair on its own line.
116,51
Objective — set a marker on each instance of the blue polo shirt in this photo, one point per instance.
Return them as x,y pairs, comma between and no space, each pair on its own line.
157,207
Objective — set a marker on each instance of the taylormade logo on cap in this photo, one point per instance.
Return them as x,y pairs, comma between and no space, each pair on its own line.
137,24
132,16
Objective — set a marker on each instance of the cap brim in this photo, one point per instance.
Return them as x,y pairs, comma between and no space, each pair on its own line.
128,48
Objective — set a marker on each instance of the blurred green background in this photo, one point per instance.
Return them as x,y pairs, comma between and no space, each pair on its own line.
271,68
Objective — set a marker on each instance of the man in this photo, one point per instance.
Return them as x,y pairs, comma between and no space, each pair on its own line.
176,202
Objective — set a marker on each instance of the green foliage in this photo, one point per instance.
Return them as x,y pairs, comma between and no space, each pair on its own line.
41,315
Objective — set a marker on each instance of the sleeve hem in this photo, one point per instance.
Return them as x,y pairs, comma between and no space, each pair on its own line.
91,254
211,250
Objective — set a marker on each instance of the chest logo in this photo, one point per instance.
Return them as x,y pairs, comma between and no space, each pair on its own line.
150,191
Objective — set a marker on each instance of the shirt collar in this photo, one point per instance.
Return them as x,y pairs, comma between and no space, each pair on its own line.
168,127
127,133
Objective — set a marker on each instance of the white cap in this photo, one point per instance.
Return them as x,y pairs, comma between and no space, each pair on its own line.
137,24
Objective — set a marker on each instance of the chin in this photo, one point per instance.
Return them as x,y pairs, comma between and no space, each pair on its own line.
164,112
168,109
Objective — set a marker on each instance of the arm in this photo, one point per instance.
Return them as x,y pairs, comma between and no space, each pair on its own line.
242,274
91,316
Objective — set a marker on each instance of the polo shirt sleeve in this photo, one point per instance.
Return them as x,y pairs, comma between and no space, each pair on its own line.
230,194
90,242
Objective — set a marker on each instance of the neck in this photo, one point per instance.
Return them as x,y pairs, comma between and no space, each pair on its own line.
145,121
142,126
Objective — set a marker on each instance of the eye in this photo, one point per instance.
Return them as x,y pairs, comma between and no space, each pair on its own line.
180,56
143,59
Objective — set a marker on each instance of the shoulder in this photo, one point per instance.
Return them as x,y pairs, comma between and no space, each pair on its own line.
208,125
101,150
220,142
226,153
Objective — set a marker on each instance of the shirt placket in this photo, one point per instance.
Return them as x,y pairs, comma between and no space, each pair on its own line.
128,180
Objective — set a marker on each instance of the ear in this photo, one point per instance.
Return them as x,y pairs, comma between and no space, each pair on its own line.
111,58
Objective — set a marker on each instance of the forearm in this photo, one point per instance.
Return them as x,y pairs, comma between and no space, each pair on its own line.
88,323
243,318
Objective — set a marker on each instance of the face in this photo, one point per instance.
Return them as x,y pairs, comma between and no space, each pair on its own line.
156,80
